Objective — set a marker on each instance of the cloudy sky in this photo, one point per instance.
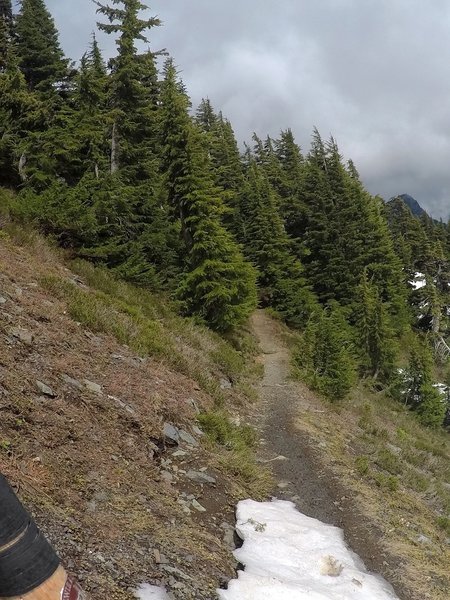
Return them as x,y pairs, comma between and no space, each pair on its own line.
374,73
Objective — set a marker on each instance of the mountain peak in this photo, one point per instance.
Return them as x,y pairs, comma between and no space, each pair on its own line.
412,204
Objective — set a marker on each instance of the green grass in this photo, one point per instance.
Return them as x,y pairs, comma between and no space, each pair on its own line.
238,457
147,322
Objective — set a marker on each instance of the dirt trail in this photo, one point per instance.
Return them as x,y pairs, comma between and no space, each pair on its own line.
301,475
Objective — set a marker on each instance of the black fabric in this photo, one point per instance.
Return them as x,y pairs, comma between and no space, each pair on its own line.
26,564
13,517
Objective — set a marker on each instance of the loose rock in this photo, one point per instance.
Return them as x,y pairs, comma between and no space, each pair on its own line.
23,335
171,433
199,477
72,382
92,387
45,389
187,438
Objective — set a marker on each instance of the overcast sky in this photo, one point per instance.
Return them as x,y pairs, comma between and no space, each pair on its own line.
374,73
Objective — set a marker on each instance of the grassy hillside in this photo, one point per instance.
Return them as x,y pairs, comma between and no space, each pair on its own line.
392,475
92,373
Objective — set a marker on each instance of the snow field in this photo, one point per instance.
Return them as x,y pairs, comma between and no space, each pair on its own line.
288,556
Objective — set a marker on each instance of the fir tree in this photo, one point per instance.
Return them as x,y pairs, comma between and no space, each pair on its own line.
6,30
20,114
132,91
325,355
218,285
41,58
375,337
421,396
267,245
226,167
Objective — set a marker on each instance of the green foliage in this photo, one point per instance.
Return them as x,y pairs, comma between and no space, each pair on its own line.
325,354
362,464
421,396
221,430
280,273
375,337
218,285
40,56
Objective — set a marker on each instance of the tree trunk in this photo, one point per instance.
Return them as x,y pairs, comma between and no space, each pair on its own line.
21,167
114,150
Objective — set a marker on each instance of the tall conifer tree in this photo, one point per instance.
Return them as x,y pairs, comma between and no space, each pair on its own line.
41,58
218,285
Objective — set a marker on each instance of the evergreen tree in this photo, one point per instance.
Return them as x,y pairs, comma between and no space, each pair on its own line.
40,56
6,30
421,396
132,94
325,355
374,334
267,245
20,113
218,285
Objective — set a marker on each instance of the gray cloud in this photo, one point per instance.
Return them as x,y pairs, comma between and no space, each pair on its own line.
374,73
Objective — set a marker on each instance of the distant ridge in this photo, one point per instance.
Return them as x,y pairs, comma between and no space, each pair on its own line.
413,205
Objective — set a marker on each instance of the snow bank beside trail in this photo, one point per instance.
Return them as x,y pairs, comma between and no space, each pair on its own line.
151,592
289,556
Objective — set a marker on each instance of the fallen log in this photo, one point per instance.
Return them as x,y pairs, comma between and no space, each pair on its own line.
30,569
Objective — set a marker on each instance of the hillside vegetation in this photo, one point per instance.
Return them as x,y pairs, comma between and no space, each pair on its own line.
92,373
170,237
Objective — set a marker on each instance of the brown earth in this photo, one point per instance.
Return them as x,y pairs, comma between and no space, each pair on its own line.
91,462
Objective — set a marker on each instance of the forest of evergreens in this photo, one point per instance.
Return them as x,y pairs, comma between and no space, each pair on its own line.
112,161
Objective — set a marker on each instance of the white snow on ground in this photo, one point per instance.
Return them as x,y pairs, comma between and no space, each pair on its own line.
288,556
419,281
151,592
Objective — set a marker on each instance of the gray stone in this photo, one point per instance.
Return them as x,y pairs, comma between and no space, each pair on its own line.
166,476
228,536
283,485
225,384
199,477
176,571
72,382
198,506
171,433
45,389
23,335
187,438
92,387
179,454
423,539
2,300
197,431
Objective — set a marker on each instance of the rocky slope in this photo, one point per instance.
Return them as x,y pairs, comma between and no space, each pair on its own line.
100,438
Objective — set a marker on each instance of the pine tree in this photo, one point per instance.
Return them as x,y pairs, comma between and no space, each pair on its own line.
132,91
6,30
226,167
134,234
267,245
218,285
325,355
375,336
20,113
421,396
41,58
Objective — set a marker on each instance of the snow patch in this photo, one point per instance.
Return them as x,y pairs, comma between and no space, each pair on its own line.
288,555
419,281
151,592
